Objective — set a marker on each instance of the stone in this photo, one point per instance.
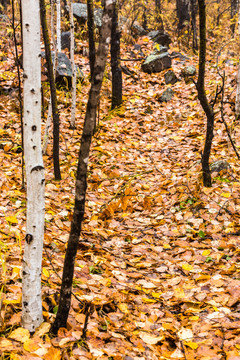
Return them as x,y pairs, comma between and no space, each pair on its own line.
138,30
64,69
160,37
175,54
170,77
219,165
167,95
80,12
157,61
65,40
189,71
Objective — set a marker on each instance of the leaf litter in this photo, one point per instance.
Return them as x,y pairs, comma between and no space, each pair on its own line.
157,271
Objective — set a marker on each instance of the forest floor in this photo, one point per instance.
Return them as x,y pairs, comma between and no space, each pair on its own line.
157,271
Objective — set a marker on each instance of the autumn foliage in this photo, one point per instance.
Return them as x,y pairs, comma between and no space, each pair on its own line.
157,269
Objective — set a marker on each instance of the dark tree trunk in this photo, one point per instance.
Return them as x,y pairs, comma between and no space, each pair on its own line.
202,95
183,13
234,7
91,40
159,19
51,79
81,179
20,98
144,23
115,61
194,25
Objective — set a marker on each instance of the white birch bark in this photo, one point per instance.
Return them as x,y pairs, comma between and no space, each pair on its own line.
58,30
32,260
237,100
73,109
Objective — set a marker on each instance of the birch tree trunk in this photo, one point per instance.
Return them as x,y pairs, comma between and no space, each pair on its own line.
81,180
32,260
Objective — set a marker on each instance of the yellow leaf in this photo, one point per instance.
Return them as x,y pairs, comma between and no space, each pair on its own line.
12,219
191,344
206,252
226,195
194,318
179,293
45,272
31,345
166,246
187,267
156,295
148,301
123,307
42,329
53,354
20,334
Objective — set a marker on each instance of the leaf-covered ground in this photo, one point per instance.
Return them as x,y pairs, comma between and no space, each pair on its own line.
157,271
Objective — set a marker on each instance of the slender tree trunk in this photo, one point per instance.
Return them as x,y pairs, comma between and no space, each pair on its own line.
194,25
32,261
58,27
19,82
183,14
74,77
234,8
91,39
55,114
237,100
115,61
81,180
202,95
144,23
159,19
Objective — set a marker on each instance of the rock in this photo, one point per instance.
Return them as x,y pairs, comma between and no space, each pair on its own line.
80,12
138,30
65,40
160,37
157,61
98,17
178,55
137,48
170,77
189,71
219,165
64,69
167,95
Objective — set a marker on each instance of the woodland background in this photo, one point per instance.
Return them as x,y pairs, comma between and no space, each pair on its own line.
157,269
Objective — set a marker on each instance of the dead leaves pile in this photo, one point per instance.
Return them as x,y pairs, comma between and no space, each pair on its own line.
157,272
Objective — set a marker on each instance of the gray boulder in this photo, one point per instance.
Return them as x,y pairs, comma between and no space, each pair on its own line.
80,12
219,165
170,77
157,61
63,71
189,70
167,95
160,37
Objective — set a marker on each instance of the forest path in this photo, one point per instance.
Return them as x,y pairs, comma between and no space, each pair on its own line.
158,259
